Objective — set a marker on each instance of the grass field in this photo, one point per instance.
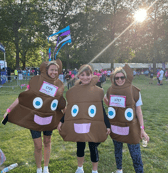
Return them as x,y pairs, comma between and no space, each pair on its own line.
17,144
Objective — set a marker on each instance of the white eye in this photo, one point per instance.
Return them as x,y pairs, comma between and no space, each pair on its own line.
92,110
111,112
74,110
54,104
37,102
129,115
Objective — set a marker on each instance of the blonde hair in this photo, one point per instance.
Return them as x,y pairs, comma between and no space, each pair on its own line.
52,63
119,70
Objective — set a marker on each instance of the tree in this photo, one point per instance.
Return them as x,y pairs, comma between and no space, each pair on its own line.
23,23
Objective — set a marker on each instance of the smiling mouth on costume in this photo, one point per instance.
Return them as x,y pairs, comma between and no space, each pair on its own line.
42,121
82,128
120,130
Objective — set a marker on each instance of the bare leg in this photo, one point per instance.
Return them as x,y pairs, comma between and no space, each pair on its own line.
38,151
80,161
47,148
94,166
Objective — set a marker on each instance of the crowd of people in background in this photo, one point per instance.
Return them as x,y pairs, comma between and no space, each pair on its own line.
70,76
26,73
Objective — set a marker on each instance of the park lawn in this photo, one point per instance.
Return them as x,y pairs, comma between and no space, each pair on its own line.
17,144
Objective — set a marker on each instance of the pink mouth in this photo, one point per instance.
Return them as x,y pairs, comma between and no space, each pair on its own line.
120,130
42,121
82,128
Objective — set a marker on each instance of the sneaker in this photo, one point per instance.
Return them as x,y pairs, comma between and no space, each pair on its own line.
118,171
45,170
39,170
79,170
94,171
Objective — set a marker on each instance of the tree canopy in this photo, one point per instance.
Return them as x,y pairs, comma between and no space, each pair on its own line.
25,26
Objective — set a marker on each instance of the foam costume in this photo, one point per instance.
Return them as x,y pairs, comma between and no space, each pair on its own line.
39,108
84,119
125,125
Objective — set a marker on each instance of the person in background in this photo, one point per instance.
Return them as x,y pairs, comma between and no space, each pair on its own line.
158,74
166,74
161,76
108,73
16,73
151,77
68,78
98,73
24,73
35,71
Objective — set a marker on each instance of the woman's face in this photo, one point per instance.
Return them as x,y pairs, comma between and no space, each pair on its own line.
85,78
53,71
119,79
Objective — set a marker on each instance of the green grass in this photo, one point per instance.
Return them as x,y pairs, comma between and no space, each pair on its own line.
17,144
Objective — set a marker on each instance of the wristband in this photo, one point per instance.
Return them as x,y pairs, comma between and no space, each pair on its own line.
8,110
142,127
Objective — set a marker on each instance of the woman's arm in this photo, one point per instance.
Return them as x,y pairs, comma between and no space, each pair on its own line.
141,122
106,120
105,99
12,105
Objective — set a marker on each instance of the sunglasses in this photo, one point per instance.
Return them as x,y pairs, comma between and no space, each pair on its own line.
122,78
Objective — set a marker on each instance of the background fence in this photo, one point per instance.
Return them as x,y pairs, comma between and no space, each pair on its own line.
15,81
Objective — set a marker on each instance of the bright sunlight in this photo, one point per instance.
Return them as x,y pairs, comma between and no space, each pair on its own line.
140,15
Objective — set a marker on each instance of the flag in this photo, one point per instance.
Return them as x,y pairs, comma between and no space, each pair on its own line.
67,39
2,48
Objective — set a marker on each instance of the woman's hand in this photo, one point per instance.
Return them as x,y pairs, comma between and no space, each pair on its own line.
108,131
145,135
64,110
59,126
105,100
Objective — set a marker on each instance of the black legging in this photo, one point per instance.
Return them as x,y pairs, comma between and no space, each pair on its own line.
94,155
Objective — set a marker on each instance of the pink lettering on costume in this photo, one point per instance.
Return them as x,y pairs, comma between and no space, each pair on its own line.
48,89
117,101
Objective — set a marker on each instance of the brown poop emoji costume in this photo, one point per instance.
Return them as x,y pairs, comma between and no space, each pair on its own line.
84,119
125,126
39,108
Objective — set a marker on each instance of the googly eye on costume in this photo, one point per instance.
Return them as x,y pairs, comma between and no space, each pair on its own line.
54,104
129,115
92,111
74,110
111,112
37,102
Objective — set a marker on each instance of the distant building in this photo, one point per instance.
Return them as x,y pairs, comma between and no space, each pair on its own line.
140,65
99,66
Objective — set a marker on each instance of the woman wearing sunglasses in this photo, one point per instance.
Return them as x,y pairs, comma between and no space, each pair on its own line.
125,116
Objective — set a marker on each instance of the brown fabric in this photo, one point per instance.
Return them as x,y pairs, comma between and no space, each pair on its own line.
84,96
40,119
132,96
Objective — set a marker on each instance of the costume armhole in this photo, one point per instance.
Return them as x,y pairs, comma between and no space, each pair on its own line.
135,92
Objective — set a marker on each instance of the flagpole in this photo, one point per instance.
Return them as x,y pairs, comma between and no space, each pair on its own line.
53,55
4,60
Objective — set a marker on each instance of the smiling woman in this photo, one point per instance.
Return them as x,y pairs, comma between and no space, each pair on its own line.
140,15
39,109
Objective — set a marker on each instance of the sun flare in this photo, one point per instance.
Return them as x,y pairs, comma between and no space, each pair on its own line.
140,15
